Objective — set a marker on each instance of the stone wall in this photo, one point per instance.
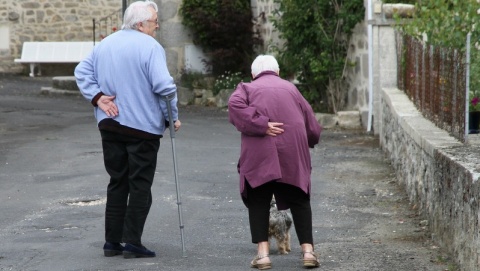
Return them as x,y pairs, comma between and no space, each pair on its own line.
71,20
356,73
172,35
46,20
262,11
440,175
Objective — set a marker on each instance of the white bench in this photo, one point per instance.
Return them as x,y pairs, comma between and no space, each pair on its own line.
35,53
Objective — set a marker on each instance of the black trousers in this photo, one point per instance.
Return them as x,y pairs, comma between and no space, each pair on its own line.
259,210
131,164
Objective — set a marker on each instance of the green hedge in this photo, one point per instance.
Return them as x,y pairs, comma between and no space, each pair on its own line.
224,30
317,33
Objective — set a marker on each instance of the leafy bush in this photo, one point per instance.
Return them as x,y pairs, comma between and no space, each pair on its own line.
316,35
446,24
224,30
228,80
190,79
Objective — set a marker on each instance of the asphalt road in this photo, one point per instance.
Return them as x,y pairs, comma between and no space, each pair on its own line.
52,191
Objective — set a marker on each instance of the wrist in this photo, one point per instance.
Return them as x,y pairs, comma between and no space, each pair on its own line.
96,98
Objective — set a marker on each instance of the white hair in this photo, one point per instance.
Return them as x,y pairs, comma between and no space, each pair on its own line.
264,63
138,12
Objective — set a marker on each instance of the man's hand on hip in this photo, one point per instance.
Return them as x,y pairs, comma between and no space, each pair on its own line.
107,105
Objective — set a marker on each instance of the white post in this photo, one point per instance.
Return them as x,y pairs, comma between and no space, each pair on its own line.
467,86
370,64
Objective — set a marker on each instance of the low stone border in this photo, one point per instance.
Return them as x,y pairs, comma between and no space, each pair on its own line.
439,173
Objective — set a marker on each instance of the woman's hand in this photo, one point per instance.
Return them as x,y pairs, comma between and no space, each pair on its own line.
274,128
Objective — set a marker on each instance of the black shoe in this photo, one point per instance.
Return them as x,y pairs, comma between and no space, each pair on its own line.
131,251
112,249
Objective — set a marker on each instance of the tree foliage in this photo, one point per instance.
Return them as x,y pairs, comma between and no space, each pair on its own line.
224,30
316,34
445,22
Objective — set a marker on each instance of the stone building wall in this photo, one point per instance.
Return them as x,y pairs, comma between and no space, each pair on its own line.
47,20
262,11
71,20
172,35
356,73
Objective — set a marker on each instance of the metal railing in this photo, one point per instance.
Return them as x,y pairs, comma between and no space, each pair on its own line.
107,25
434,79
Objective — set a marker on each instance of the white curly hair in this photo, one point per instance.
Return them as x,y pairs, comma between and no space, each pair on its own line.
264,63
138,12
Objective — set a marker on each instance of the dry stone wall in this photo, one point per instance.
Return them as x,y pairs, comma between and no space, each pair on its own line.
356,72
262,11
47,20
440,175
172,35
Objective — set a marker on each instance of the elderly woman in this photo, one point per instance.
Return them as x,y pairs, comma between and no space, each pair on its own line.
277,128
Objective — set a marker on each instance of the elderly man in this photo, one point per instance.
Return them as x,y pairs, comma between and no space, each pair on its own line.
125,78
277,128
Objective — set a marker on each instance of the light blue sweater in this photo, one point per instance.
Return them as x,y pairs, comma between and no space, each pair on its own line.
131,66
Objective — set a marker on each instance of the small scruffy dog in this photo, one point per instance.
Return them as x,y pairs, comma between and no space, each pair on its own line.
279,227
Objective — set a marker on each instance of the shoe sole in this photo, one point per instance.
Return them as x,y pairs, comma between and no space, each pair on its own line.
311,264
131,255
262,266
111,253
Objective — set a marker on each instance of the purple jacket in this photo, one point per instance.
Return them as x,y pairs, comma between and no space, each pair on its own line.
286,157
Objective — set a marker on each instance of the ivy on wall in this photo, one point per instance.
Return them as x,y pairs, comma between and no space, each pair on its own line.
224,30
316,34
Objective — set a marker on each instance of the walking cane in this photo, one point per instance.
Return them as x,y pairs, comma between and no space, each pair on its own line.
167,99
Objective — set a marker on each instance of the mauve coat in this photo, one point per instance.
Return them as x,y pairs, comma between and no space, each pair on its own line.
286,157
